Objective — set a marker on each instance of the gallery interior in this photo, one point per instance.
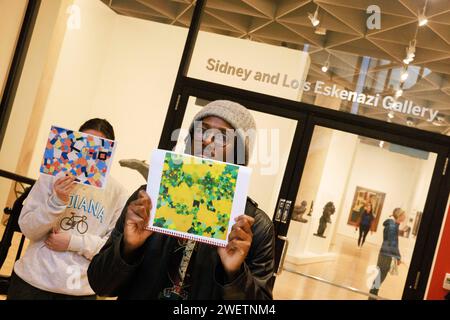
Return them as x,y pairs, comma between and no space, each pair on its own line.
364,116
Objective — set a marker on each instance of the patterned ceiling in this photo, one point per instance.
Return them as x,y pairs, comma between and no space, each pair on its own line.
343,38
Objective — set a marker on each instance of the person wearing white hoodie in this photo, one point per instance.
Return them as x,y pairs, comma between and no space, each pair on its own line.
67,224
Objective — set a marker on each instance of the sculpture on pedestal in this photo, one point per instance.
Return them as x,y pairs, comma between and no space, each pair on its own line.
311,208
139,165
328,210
299,211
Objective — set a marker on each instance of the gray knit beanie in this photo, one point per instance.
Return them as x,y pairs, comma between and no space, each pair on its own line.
236,115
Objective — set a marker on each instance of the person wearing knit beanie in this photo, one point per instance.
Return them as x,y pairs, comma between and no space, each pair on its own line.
238,119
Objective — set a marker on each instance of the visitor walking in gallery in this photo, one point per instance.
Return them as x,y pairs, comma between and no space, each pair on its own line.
365,222
389,252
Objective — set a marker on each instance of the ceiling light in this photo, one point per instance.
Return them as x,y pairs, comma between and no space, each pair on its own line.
326,66
422,18
381,144
407,61
404,75
391,114
410,52
410,122
398,93
314,18
439,121
320,31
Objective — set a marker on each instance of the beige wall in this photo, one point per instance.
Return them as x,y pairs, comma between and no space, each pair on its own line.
76,75
135,87
11,17
26,92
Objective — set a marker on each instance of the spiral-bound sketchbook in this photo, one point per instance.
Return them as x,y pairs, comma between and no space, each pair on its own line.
85,156
195,198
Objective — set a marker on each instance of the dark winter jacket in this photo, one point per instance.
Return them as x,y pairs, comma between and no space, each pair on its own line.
110,275
390,239
366,220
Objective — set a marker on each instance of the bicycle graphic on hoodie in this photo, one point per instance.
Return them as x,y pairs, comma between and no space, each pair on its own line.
75,221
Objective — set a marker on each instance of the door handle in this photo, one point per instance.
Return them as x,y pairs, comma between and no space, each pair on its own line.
280,209
283,255
287,207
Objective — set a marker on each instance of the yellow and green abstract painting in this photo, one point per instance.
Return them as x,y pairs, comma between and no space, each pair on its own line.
196,196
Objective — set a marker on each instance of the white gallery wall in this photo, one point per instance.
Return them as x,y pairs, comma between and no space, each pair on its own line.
135,87
336,168
338,165
394,174
423,183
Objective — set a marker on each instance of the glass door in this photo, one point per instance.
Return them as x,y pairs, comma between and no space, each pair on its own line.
315,177
359,208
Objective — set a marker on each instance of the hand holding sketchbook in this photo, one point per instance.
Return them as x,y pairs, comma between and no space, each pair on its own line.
85,156
195,198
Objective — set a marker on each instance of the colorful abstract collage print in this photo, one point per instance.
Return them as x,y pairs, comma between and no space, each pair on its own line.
196,196
84,156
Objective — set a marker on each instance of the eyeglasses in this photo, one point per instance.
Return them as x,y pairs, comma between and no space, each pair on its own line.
219,138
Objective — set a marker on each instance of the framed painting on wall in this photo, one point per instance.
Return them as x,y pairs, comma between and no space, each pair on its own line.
361,197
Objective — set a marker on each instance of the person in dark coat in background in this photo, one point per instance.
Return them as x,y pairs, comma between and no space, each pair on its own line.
365,222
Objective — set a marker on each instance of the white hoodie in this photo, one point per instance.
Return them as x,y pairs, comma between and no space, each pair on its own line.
95,213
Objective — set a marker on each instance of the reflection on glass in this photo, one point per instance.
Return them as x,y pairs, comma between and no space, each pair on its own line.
329,41
359,207
178,13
